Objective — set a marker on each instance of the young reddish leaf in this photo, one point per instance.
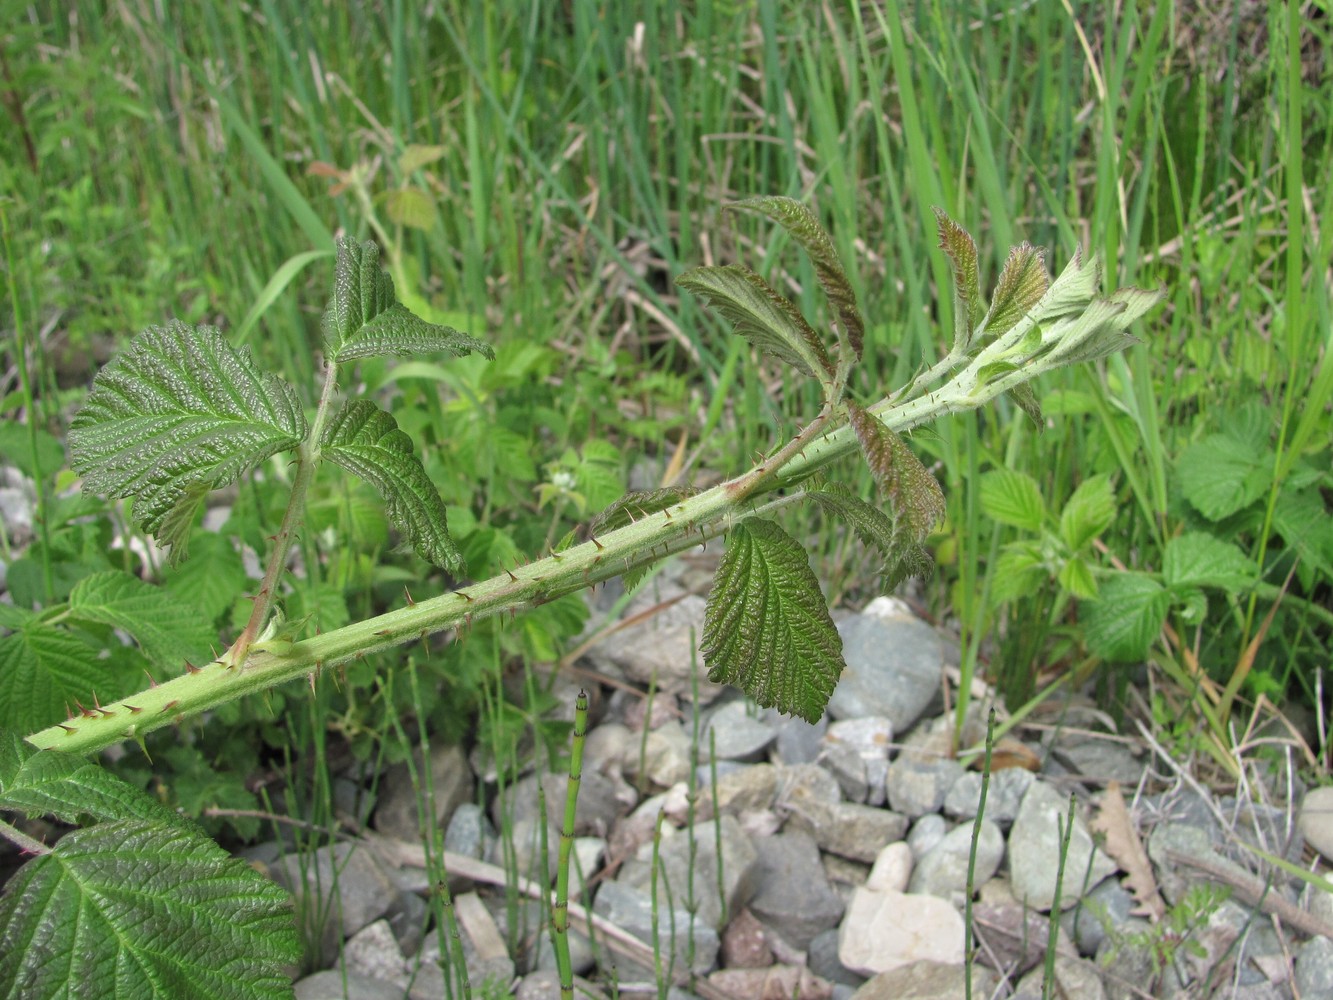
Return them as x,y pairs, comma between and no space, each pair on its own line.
1022,284
968,305
804,227
910,489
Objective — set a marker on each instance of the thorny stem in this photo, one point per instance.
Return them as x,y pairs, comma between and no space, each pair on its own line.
651,538
307,460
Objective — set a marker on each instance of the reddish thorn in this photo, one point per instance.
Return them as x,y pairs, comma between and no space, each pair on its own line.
555,555
190,668
70,730
384,631
151,682
408,594
169,705
511,575
134,709
599,545
464,596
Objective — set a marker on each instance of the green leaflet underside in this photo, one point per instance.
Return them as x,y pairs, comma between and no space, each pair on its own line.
366,441
903,556
178,413
767,628
762,316
365,319
915,500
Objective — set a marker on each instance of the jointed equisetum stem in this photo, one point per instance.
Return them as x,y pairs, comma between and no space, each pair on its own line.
560,918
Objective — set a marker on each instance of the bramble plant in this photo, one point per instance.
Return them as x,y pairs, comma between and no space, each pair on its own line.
181,413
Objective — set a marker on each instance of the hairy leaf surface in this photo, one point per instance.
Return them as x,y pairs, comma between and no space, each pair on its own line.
366,441
167,629
365,319
1124,622
1021,285
767,628
968,306
637,504
761,316
1012,498
135,909
68,787
913,495
178,413
804,227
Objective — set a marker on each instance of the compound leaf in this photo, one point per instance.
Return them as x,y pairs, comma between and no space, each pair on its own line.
365,319
366,441
68,787
1021,285
767,629
1197,559
167,629
45,670
637,504
135,909
178,413
1222,474
1088,512
805,229
913,494
968,307
762,316
1012,498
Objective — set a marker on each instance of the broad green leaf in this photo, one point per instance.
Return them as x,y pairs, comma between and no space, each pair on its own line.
767,629
760,315
914,497
168,630
365,319
968,307
1125,621
1197,559
213,577
411,207
1013,498
1019,572
1303,520
45,671
366,441
1021,285
1076,577
134,909
1221,474
804,227
178,413
17,447
68,787
637,504
1088,512
903,555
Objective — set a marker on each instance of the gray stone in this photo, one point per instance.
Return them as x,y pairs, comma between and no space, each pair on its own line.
892,868
926,832
1169,839
822,957
1314,968
544,984
665,757
1106,907
849,769
856,752
735,731
746,789
606,748
1101,760
927,980
344,886
1075,979
918,784
353,801
525,837
408,921
804,783
658,649
1004,794
450,786
373,951
848,829
688,869
895,665
798,741
1316,820
943,870
470,833
793,895
884,930
1034,852
332,985
631,910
